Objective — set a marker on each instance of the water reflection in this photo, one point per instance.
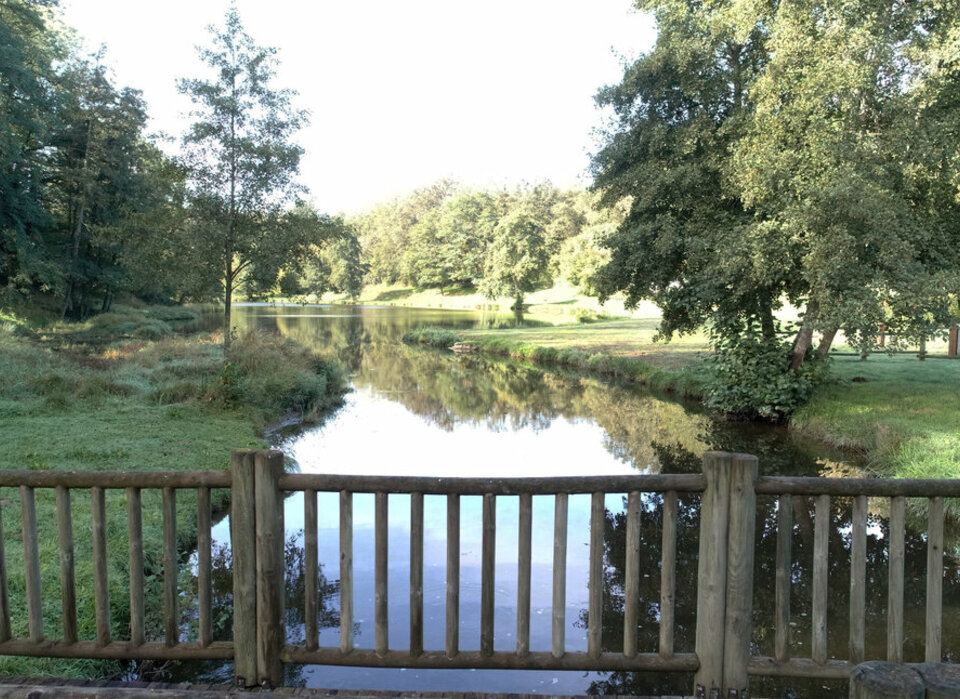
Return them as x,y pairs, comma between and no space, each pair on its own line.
431,413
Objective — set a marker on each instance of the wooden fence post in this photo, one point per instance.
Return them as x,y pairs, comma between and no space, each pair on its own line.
740,557
243,545
270,567
712,573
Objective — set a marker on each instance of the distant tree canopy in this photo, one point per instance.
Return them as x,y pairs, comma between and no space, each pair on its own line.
90,207
444,236
800,151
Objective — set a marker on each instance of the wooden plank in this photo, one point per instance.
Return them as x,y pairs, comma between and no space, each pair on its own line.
115,479
685,482
170,568
101,588
741,534
270,543
416,573
712,572
595,581
858,579
135,564
631,577
784,568
243,539
204,568
898,510
117,650
68,589
5,633
311,569
850,487
934,630
487,573
453,576
346,571
799,667
559,625
524,560
668,573
681,662
31,559
821,533
381,563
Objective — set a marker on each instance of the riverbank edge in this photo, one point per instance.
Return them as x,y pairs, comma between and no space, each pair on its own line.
231,422
889,452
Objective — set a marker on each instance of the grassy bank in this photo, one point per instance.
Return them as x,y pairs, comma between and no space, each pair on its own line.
78,398
901,413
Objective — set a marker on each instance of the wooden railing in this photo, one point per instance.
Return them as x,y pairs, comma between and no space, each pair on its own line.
727,490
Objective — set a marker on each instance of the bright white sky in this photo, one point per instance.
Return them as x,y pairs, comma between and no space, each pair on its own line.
400,93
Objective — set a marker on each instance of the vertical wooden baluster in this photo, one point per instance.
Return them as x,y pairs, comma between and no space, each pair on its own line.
453,575
68,591
559,575
346,571
932,651
311,569
4,594
858,578
204,568
416,574
631,577
820,578
135,552
271,571
487,574
101,589
898,511
524,558
243,543
595,585
784,567
668,574
31,559
171,628
380,597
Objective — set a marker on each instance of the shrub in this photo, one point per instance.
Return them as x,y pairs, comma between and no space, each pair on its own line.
752,377
432,337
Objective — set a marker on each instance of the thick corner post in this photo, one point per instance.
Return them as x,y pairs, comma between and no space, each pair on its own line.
712,574
243,545
741,532
270,568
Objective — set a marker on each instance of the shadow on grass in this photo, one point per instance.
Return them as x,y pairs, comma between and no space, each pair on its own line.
393,294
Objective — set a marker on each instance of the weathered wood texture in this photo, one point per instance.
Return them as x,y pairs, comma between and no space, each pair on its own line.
453,576
934,630
524,560
170,568
883,680
559,616
941,680
595,583
243,529
631,575
346,571
5,632
712,572
381,610
270,567
416,573
31,557
488,573
818,643
204,568
898,510
135,563
668,574
858,579
101,588
740,556
311,570
68,590
784,565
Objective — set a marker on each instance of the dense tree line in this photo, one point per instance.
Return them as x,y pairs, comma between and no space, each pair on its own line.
801,151
503,243
92,207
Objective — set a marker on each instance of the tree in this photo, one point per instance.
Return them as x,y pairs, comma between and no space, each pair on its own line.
241,160
517,261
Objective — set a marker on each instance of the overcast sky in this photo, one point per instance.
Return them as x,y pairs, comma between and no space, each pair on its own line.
400,93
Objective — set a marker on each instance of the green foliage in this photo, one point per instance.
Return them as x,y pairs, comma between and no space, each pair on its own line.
432,337
518,260
751,377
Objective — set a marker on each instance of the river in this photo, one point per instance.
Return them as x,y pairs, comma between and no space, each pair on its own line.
413,411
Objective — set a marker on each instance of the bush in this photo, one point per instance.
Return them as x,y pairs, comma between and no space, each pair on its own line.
752,377
432,337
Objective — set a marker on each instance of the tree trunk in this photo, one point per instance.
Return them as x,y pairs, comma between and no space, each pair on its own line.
823,349
227,301
805,336
767,325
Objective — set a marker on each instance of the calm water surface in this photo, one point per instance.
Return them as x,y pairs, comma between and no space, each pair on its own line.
422,412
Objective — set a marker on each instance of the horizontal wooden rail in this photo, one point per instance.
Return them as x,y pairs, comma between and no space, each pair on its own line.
651,483
849,487
115,479
681,662
118,650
